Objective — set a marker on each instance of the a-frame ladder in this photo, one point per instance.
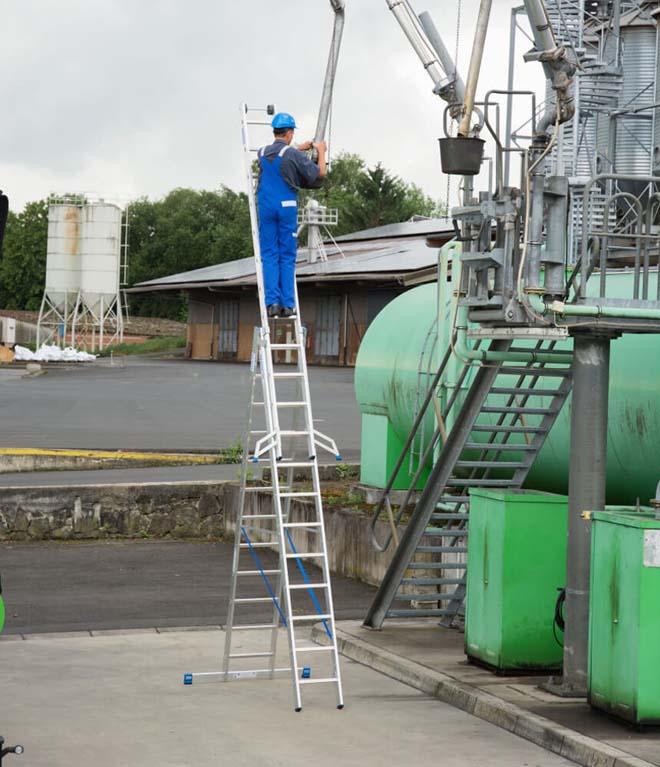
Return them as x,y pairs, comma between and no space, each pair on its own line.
295,589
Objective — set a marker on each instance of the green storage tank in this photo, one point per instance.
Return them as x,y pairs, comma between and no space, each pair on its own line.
402,349
517,555
624,621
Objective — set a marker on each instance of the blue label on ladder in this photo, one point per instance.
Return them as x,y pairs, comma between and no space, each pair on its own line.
187,678
306,672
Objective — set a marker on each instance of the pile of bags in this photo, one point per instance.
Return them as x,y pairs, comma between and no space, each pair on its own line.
51,353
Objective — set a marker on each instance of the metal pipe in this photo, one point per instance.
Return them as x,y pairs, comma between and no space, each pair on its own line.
622,312
475,66
448,64
412,29
463,351
330,72
510,82
586,492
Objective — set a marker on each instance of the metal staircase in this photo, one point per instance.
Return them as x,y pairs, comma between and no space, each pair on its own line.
499,427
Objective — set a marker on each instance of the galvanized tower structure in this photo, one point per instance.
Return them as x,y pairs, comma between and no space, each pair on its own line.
524,281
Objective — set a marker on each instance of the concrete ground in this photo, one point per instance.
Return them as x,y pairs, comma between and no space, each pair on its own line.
432,659
141,403
55,587
119,700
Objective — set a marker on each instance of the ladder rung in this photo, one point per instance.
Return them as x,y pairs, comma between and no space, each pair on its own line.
487,464
325,680
295,464
255,627
259,516
536,372
257,572
433,581
303,524
301,494
442,549
524,391
510,429
316,648
308,585
293,433
444,533
315,617
250,600
421,613
428,597
441,565
251,655
305,555
257,545
519,410
291,404
277,347
457,482
447,516
288,375
495,446
455,499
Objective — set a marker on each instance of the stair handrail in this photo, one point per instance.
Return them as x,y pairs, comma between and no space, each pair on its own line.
385,500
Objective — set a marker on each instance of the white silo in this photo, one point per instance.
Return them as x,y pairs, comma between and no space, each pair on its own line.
98,312
63,262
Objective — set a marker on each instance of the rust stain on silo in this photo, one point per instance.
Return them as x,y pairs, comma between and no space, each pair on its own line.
72,229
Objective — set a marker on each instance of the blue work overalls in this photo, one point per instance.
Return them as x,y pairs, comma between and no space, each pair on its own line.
278,236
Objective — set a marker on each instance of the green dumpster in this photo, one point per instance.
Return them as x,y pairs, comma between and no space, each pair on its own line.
624,620
517,561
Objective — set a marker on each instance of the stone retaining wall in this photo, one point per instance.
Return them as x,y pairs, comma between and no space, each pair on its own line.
190,510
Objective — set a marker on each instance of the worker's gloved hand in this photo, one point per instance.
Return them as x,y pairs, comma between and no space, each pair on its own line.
305,146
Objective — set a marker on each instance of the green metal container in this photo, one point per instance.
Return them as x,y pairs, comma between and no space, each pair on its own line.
624,621
402,350
517,555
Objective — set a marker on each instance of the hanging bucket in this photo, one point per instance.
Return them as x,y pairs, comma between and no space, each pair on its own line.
461,156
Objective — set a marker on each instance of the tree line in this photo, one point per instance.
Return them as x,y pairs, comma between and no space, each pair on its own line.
189,229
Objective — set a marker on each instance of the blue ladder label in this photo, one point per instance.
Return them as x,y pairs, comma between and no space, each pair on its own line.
187,678
306,672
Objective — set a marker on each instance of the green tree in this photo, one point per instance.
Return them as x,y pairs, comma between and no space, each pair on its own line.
23,264
370,197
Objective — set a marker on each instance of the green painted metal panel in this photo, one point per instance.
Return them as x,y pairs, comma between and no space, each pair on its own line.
517,556
401,345
624,623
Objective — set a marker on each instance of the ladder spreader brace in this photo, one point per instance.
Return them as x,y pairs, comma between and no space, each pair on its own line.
276,529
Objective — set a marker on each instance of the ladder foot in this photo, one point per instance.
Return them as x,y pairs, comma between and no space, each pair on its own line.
340,706
298,709
312,457
338,457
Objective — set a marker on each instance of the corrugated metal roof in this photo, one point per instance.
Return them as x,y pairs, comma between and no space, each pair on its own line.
395,252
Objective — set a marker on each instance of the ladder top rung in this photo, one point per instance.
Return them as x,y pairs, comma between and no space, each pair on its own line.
294,433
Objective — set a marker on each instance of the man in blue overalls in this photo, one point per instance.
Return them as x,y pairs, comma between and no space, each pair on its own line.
283,170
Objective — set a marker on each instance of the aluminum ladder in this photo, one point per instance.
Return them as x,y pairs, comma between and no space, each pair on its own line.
497,432
285,585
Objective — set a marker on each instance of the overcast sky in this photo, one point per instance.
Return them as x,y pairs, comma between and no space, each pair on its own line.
136,97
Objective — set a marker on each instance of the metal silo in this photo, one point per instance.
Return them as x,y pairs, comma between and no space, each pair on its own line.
63,254
100,256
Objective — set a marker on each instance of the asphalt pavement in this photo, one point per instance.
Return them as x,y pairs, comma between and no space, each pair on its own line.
142,403
55,587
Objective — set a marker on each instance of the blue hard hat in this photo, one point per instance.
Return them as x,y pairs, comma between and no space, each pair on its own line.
283,120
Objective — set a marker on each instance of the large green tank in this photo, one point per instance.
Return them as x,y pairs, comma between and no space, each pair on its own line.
402,349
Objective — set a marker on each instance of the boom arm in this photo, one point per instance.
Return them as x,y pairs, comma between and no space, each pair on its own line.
338,7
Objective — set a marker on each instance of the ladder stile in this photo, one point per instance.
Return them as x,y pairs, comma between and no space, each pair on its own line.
257,531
